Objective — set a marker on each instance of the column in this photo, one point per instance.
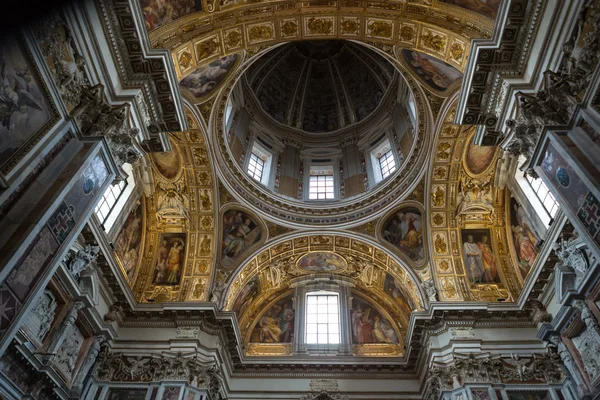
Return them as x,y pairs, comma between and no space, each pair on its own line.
567,360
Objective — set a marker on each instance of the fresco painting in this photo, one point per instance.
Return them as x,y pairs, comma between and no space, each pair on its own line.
369,326
321,261
128,241
24,110
170,259
435,73
523,236
403,229
249,292
202,81
479,158
276,325
478,255
393,287
240,232
161,12
167,163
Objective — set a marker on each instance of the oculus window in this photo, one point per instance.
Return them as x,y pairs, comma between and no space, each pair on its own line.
320,183
322,318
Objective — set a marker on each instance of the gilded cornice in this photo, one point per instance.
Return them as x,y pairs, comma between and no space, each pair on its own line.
440,30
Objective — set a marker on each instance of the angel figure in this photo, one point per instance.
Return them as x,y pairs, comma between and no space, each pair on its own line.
14,94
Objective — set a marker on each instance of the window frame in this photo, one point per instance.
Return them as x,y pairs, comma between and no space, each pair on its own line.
254,163
126,189
321,181
317,324
390,166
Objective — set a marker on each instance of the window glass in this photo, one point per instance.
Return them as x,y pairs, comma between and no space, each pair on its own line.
321,187
256,167
322,319
387,164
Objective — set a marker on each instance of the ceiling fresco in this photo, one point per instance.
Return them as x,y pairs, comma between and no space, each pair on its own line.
469,241
179,244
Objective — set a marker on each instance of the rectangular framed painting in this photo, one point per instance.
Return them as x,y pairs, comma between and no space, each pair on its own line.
170,259
26,112
478,256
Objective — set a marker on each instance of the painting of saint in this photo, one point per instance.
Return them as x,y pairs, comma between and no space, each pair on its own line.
167,163
369,326
393,287
276,325
524,237
240,232
202,81
488,8
478,158
160,12
248,293
127,243
170,259
24,110
403,229
480,262
435,73
321,261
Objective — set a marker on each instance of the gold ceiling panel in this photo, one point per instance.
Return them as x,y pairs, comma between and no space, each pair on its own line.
467,228
181,212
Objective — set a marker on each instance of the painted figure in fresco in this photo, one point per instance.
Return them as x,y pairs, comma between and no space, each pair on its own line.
174,262
127,243
286,323
160,272
524,238
383,332
404,231
490,273
205,79
245,297
239,234
362,325
270,331
394,289
473,260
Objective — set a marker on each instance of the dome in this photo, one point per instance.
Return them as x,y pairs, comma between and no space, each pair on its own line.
320,86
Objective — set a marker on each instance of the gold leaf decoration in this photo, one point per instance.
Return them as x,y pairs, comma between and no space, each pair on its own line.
407,33
320,25
434,41
456,51
233,38
207,48
185,58
289,28
350,26
261,32
380,29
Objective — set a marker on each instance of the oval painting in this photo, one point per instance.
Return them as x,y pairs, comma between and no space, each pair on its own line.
479,158
167,163
321,261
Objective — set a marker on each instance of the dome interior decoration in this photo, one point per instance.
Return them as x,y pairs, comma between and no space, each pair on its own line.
320,86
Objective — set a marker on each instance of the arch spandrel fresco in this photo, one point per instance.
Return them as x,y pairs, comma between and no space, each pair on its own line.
129,241
468,239
241,232
178,258
404,230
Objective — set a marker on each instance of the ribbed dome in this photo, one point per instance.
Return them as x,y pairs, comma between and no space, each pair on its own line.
320,86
